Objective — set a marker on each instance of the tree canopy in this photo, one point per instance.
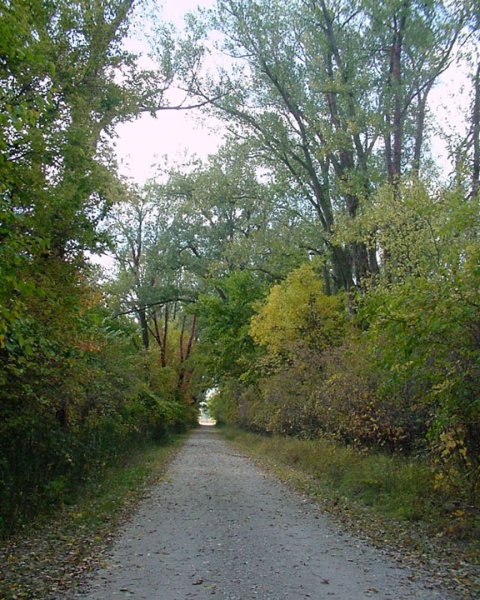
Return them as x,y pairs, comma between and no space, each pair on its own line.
320,271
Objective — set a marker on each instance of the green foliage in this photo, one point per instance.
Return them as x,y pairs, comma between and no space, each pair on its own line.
227,349
423,320
74,392
219,406
225,214
70,412
333,97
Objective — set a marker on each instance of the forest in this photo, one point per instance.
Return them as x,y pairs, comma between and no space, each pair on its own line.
317,277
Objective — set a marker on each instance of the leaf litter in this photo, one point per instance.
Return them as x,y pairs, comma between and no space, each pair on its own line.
50,559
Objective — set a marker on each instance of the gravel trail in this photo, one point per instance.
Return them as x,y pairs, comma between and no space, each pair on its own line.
219,526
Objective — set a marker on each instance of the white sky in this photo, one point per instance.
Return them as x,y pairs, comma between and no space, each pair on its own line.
143,143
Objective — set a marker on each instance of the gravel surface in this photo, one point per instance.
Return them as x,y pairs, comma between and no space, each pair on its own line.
220,526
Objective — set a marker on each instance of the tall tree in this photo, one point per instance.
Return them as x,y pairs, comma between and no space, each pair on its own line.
334,94
58,95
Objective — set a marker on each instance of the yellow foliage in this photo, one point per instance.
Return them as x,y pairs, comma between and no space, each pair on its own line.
297,311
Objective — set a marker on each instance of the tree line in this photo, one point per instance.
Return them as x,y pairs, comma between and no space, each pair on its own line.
319,273
76,394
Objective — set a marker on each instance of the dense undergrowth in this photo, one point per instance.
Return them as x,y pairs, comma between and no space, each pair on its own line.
77,395
54,554
49,469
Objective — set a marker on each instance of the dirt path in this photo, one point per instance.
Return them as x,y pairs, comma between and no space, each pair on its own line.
219,526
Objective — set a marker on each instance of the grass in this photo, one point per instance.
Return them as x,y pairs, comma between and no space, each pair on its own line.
391,501
54,554
398,488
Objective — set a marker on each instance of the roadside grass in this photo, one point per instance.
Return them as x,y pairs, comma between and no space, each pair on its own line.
391,501
55,554
399,488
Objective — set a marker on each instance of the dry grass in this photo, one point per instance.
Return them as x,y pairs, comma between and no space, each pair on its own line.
390,501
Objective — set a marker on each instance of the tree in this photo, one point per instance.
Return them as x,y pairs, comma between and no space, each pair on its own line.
307,82
65,82
298,313
278,368
227,349
58,96
423,325
228,214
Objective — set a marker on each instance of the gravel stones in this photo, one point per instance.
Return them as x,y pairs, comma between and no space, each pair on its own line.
218,526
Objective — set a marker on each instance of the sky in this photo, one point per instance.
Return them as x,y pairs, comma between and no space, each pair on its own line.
141,144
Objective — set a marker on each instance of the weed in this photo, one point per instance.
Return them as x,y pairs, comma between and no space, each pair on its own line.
396,487
44,559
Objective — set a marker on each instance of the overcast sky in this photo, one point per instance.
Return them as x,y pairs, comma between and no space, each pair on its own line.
142,143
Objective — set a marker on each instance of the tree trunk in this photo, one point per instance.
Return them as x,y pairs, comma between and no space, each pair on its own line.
394,120
161,337
163,353
420,128
142,316
184,376
476,135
